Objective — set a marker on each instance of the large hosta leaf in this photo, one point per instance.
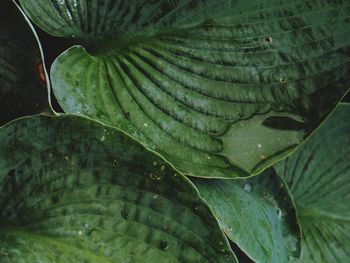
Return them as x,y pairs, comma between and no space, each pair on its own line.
318,175
257,214
21,90
221,88
72,190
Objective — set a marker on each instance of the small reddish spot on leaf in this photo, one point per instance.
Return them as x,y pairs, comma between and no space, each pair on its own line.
41,72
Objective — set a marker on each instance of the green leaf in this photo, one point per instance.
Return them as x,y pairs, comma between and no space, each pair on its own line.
73,190
21,91
220,88
257,214
318,176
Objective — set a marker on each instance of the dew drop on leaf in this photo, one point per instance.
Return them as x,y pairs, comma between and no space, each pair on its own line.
279,213
247,187
164,245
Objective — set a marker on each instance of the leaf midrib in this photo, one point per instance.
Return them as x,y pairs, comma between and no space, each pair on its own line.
121,43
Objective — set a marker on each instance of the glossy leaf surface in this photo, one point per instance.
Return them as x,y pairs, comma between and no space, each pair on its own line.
318,175
220,88
73,190
257,214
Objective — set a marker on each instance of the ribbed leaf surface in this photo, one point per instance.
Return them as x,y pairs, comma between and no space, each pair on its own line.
257,214
72,190
220,88
318,175
21,91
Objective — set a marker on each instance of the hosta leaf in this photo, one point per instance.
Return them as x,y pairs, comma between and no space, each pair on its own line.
21,90
72,190
257,214
220,88
318,176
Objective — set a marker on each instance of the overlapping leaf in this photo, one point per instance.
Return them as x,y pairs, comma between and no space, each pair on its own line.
220,88
257,214
318,176
72,190
21,90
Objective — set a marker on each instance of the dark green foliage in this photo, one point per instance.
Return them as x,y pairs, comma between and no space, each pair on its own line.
21,90
219,88
242,96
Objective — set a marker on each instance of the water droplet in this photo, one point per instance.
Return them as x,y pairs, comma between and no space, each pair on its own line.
174,175
165,227
247,187
103,138
156,196
283,80
208,157
66,158
196,208
263,157
259,145
75,3
115,163
279,213
163,245
155,177
69,15
145,124
268,40
155,163
80,233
